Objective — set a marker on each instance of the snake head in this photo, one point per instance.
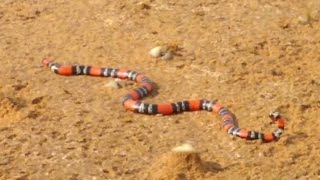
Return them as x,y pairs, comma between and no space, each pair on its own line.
46,61
274,116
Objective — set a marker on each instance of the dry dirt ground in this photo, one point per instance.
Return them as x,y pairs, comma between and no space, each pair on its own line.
252,56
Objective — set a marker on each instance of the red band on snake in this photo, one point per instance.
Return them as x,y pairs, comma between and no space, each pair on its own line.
132,100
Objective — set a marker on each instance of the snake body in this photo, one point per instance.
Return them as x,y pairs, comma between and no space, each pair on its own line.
132,100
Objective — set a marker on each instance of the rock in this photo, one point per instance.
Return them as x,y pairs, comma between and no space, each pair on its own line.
183,162
113,84
158,51
184,148
303,20
167,56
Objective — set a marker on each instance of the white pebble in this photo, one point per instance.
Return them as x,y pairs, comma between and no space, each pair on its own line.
158,51
113,84
184,148
303,20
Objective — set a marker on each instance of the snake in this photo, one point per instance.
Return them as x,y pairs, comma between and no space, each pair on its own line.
132,101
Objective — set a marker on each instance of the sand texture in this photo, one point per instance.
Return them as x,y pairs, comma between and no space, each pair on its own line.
252,56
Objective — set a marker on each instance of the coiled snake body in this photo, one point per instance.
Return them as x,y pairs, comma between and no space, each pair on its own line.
132,102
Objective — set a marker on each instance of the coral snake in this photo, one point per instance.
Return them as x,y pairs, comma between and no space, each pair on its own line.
132,102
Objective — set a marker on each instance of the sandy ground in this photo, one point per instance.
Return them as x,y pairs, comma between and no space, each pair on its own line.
252,56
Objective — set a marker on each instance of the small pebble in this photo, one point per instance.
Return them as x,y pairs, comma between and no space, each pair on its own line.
303,19
158,51
124,83
184,148
167,56
113,84
261,154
